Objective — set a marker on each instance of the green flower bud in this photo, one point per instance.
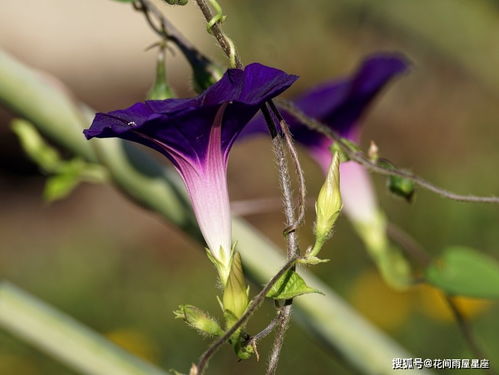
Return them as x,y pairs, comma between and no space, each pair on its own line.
244,351
328,205
235,298
160,89
401,186
199,320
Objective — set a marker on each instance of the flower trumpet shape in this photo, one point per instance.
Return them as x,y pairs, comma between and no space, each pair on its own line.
196,134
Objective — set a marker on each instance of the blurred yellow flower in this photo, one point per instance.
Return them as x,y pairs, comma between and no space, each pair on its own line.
134,342
382,305
433,304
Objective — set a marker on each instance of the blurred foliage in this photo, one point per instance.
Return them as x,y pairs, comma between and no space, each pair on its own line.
465,272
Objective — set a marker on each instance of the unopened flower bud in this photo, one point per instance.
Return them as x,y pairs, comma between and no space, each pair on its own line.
235,297
329,204
327,209
199,320
373,152
160,89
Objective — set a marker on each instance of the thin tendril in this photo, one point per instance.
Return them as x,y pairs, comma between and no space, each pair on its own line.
215,29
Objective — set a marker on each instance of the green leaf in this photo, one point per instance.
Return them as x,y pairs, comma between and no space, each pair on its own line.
290,285
124,1
465,272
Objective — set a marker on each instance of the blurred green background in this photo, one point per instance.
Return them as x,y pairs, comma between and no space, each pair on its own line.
122,271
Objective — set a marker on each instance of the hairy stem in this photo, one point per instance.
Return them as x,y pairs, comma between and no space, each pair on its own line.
292,238
253,306
297,164
362,159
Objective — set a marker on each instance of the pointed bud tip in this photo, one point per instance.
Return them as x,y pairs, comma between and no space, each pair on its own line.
329,202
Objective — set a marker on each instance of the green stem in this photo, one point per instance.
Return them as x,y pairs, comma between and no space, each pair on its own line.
65,338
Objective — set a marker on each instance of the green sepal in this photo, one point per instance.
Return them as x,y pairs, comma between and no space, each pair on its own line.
230,318
222,265
235,297
466,272
238,338
243,351
220,303
175,372
199,320
312,260
290,285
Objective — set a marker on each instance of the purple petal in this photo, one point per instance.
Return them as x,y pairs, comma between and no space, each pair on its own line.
340,103
184,124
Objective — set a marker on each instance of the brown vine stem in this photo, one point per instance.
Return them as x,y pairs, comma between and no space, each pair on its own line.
465,328
298,169
219,35
167,31
285,182
292,238
253,306
362,159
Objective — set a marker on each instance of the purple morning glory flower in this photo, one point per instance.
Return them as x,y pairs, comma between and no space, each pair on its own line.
340,104
196,134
